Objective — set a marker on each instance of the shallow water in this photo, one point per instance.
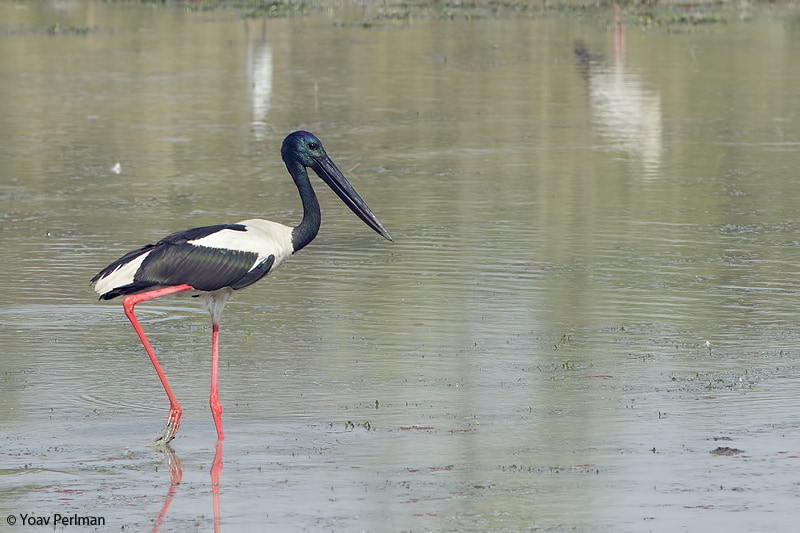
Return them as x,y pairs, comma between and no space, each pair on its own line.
591,289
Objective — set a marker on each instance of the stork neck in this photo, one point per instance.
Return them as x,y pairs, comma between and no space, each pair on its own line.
304,233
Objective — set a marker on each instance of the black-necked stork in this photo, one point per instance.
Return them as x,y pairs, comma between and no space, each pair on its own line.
214,261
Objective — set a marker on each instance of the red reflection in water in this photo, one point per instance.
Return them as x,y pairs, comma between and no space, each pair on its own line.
175,477
216,468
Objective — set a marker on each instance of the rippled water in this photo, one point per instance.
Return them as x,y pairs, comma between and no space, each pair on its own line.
592,286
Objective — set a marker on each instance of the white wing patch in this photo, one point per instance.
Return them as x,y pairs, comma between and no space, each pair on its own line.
261,237
121,276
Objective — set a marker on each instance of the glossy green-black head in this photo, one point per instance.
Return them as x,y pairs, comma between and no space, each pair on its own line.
304,148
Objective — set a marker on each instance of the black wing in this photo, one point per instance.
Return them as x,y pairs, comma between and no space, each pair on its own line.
173,261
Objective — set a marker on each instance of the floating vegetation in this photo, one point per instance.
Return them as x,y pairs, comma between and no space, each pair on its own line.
349,425
58,29
256,8
745,379
544,469
51,29
726,451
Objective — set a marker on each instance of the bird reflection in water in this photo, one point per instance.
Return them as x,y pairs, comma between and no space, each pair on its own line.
175,477
626,107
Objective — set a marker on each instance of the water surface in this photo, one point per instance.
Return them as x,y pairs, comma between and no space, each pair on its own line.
591,290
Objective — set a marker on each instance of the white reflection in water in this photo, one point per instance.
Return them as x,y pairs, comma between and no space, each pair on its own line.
259,80
624,110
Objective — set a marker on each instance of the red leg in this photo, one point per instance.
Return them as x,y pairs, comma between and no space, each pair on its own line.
128,303
216,407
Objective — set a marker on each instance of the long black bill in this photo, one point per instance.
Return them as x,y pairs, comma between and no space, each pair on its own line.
330,174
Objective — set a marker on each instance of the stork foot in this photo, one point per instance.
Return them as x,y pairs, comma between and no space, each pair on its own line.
216,412
171,427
